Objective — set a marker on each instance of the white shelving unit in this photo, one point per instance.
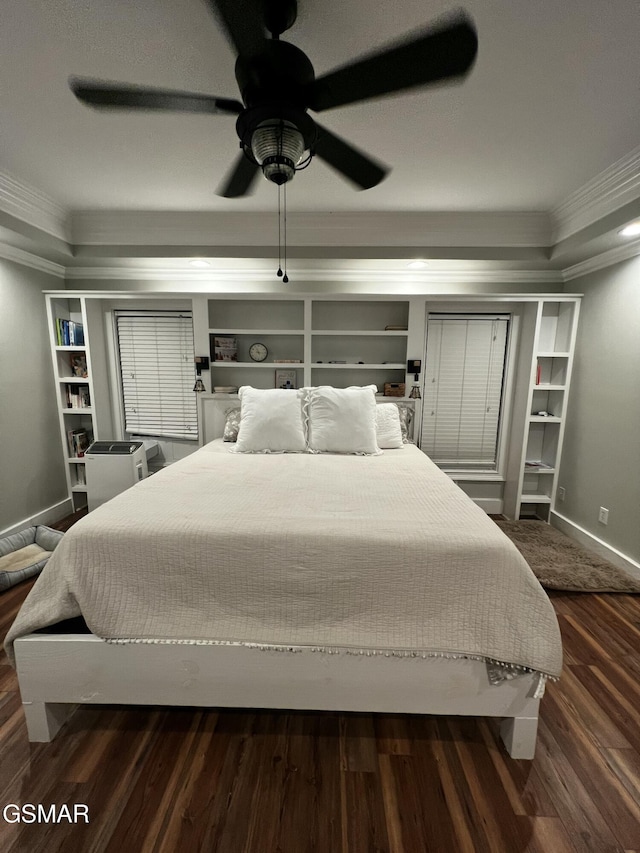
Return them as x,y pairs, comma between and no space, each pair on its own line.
336,342
548,391
85,312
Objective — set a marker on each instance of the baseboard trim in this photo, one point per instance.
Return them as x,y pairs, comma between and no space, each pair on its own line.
593,543
46,516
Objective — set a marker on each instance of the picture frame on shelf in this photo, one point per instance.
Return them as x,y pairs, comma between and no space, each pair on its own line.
78,362
225,348
286,379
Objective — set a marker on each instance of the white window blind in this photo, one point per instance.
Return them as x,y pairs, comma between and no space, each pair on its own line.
464,378
157,373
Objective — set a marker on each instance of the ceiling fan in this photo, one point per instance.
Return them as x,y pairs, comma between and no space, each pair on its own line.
278,86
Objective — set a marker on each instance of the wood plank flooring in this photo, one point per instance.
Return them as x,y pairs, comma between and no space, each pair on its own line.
159,780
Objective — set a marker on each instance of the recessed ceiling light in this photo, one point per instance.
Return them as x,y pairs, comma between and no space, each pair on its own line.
200,263
631,230
417,265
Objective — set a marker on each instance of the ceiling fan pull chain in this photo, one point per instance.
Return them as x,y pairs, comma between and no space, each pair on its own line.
285,278
279,273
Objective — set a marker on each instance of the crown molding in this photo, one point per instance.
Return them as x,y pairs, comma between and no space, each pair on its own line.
604,194
33,207
603,260
206,228
26,259
451,276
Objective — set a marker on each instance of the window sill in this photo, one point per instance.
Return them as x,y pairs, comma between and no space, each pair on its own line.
475,476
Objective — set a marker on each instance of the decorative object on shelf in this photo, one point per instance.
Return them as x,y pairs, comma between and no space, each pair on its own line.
258,352
225,389
286,379
78,362
225,348
415,393
394,389
202,363
395,328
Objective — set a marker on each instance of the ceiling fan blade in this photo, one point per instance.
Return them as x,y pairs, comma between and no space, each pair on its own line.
439,53
242,22
355,165
119,96
239,179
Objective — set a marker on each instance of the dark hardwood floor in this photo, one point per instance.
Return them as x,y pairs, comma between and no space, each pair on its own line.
184,781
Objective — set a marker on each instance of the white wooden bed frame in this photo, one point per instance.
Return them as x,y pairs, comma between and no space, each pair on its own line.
58,672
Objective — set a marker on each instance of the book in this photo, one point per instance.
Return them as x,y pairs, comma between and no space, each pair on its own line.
77,396
78,441
69,333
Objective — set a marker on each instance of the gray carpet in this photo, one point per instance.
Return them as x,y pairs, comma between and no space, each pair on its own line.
560,563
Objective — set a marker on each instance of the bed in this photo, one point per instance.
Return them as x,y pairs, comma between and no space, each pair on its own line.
290,580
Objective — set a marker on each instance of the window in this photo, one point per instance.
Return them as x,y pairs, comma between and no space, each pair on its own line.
463,393
157,373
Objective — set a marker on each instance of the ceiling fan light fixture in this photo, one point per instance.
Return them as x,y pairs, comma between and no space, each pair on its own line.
278,147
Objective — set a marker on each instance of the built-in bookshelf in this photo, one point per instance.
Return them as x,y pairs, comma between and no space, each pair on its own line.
320,341
81,387
548,390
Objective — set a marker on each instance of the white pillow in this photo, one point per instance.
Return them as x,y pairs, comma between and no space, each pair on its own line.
388,431
270,421
342,420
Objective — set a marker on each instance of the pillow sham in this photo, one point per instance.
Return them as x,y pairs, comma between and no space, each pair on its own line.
406,419
388,431
271,421
231,424
342,420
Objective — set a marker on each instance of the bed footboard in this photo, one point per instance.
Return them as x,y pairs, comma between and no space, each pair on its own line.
57,672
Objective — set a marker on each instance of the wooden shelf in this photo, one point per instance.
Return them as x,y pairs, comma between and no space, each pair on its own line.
536,499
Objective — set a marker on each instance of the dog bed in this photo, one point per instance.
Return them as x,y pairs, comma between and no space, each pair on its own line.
25,554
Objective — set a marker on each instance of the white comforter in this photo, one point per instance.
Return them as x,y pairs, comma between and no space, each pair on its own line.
381,553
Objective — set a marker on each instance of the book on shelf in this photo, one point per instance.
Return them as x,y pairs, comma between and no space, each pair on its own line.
395,328
77,396
287,361
78,441
69,333
225,348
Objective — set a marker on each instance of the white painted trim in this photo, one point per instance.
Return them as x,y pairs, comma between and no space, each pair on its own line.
27,259
451,276
375,229
603,260
606,192
46,516
33,207
595,544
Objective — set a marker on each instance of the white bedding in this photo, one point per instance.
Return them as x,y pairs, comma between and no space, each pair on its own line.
348,553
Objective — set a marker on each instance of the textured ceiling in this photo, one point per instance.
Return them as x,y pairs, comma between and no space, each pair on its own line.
552,101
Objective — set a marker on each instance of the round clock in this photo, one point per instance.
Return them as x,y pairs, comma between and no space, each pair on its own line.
258,352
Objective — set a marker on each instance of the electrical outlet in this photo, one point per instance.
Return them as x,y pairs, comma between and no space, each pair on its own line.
603,515
561,493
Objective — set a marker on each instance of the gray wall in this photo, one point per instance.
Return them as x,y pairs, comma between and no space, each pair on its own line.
32,477
601,453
